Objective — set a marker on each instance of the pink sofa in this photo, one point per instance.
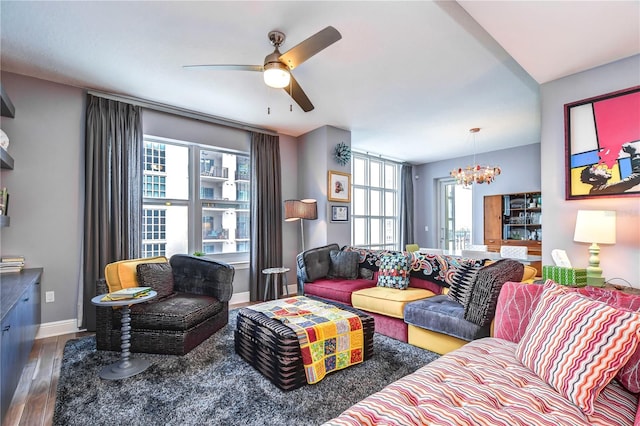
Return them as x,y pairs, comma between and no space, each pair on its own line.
484,382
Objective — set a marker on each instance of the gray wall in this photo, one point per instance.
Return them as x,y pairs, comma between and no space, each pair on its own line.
290,230
46,186
315,158
47,192
520,173
621,260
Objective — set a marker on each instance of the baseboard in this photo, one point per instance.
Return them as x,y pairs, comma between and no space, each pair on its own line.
239,298
57,328
244,296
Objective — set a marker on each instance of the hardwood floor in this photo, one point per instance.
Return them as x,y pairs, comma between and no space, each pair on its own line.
34,400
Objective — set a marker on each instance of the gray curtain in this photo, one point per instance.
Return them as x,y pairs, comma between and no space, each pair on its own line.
406,205
266,210
113,191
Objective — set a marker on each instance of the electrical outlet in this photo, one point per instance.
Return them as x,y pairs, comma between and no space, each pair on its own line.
49,297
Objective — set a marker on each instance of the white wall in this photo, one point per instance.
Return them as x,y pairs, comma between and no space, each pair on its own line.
621,260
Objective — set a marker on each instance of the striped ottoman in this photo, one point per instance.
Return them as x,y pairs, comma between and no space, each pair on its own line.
273,349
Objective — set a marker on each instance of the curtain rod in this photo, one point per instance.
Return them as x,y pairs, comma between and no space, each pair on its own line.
157,106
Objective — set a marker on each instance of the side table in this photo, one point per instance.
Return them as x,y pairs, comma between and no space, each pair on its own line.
125,367
275,277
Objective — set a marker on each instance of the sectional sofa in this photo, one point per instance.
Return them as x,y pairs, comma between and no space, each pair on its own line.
365,279
559,357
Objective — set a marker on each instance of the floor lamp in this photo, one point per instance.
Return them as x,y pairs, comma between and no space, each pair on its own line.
300,210
595,227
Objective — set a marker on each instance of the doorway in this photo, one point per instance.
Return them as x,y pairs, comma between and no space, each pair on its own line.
455,217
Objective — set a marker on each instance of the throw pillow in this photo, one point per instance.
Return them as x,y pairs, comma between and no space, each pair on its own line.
394,271
629,374
365,273
316,262
122,274
158,276
462,283
577,345
437,268
481,307
344,264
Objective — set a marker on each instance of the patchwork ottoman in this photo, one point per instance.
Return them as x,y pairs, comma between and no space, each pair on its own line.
273,349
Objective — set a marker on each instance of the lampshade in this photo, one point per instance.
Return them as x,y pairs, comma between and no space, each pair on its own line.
300,209
595,226
276,75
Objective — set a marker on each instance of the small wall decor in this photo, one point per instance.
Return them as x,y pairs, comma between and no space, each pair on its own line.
602,140
339,186
339,214
342,153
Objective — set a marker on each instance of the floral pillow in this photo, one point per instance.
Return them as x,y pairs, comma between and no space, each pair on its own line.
394,271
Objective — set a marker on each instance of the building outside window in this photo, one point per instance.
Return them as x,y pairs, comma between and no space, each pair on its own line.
195,198
375,203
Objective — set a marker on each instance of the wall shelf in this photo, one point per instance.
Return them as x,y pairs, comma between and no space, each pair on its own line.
7,109
6,161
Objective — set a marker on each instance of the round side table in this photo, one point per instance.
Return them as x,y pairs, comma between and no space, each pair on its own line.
275,277
125,367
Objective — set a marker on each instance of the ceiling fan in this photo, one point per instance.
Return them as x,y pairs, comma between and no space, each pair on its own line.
277,66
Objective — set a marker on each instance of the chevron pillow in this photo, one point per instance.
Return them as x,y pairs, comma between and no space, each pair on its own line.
577,345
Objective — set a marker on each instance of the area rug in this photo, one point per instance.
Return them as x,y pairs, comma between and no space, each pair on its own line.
212,385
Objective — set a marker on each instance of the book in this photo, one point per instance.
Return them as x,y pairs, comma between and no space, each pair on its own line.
10,264
127,293
4,201
12,258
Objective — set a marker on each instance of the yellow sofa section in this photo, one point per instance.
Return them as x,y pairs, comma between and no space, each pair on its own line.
123,274
433,341
387,301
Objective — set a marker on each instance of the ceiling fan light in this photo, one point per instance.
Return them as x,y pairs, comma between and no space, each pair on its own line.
276,75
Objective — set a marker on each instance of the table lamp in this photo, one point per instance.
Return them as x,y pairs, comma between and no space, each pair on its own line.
595,227
300,209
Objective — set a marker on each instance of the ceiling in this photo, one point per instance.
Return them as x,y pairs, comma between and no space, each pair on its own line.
407,79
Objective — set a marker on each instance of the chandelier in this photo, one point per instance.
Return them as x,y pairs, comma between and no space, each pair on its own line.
476,173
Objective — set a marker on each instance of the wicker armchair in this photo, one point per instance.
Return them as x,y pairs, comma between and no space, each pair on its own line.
178,323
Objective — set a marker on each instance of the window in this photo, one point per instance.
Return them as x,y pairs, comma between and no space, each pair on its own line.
375,202
454,215
195,198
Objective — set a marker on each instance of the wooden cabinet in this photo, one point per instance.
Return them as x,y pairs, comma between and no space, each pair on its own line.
20,307
513,219
493,222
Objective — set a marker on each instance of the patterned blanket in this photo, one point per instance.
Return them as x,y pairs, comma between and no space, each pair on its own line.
330,338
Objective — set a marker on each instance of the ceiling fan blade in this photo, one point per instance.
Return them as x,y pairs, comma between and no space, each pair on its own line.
295,91
228,67
309,47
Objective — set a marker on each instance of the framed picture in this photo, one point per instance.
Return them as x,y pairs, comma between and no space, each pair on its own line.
339,214
339,187
602,140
